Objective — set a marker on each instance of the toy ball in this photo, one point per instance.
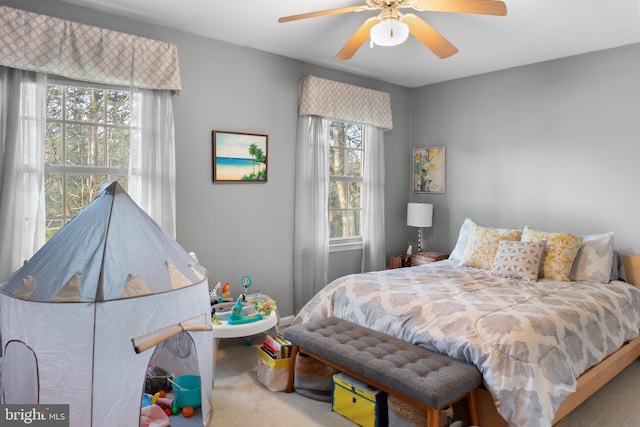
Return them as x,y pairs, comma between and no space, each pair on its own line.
187,411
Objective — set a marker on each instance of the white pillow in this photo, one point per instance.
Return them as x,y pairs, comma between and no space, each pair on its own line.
594,260
461,243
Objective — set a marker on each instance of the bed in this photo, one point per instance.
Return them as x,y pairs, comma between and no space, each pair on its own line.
546,317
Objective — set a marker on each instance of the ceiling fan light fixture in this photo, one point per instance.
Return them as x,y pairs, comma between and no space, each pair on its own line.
389,32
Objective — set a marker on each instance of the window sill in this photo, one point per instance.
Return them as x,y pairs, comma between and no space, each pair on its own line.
345,246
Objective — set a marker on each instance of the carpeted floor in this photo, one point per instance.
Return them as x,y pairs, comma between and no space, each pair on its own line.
614,405
240,399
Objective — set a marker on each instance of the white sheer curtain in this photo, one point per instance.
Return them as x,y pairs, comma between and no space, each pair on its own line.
22,128
311,229
88,54
152,172
373,236
322,100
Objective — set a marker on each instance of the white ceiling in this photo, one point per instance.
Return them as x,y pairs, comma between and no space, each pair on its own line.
533,31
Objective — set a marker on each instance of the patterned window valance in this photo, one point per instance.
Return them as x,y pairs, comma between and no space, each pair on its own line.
34,42
341,101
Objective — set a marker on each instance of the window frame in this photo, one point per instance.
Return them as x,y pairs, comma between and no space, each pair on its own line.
64,170
350,243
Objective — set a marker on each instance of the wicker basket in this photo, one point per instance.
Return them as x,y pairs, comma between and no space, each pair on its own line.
403,414
313,379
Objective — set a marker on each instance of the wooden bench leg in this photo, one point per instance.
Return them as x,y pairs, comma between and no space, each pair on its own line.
292,367
473,408
433,417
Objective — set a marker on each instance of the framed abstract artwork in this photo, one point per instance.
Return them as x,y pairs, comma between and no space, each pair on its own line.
428,170
239,156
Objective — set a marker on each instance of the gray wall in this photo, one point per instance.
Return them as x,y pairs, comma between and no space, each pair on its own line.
551,145
239,229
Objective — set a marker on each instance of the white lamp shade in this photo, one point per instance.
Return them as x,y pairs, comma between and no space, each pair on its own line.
389,32
419,214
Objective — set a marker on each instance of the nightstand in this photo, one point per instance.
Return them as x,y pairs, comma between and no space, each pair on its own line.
399,261
427,257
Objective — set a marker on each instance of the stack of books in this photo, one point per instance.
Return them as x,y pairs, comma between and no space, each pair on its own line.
276,346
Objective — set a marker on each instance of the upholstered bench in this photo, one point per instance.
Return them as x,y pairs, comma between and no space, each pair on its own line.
422,378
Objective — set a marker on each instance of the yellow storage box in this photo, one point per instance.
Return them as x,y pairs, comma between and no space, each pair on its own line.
361,403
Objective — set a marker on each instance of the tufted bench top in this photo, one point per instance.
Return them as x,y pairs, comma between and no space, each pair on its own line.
431,378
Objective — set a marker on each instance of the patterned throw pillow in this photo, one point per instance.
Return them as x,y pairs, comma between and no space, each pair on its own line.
594,260
561,250
482,245
520,260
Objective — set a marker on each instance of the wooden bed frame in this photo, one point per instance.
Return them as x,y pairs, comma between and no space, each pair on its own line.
591,380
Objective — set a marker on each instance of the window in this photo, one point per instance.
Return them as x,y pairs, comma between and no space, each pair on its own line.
87,142
345,182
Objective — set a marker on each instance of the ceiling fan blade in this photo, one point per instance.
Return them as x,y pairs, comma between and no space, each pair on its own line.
357,39
322,13
483,7
429,36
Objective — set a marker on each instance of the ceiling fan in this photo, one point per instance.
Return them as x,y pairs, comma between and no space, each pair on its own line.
392,27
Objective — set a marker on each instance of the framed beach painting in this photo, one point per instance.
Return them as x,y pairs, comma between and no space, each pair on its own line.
428,170
239,156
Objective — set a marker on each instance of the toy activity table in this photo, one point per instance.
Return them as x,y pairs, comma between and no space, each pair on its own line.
225,330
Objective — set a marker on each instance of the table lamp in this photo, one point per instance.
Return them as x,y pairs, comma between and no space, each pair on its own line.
419,215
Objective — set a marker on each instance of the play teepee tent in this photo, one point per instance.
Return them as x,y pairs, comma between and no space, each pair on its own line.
77,319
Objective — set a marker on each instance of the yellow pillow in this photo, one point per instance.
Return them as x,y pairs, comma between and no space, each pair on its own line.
561,250
482,245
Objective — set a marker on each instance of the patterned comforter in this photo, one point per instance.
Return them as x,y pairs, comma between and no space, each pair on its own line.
531,341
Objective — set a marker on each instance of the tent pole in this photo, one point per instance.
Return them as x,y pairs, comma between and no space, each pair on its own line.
145,342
